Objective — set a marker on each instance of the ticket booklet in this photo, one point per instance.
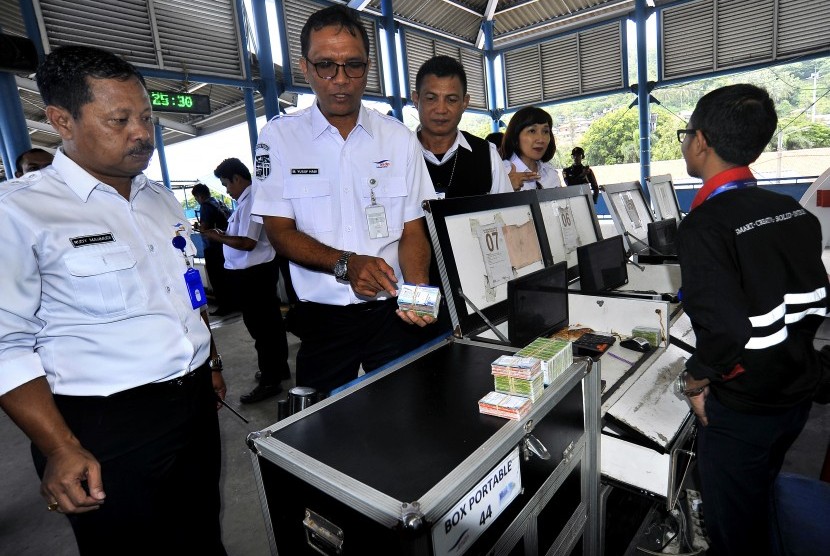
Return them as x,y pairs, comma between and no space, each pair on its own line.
424,300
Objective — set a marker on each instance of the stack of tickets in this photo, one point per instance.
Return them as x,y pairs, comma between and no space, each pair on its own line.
521,376
424,300
556,356
504,405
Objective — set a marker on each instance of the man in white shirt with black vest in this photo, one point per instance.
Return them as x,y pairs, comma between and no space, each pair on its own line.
340,188
459,164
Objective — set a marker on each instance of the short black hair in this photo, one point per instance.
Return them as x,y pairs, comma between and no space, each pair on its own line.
337,15
441,66
526,117
496,138
200,190
62,76
578,151
231,167
18,162
737,121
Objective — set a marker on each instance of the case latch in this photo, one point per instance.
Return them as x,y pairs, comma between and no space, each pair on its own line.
322,535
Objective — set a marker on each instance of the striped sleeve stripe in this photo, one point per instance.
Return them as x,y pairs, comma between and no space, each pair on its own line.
780,312
803,298
767,341
770,317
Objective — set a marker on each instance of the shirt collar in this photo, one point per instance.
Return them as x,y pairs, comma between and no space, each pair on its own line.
460,141
732,174
82,183
320,124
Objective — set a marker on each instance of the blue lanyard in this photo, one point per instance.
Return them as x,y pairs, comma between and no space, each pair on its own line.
728,186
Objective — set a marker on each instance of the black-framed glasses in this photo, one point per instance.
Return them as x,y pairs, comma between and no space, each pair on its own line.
682,133
328,69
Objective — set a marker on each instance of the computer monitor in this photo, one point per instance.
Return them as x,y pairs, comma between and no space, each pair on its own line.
602,265
537,304
661,234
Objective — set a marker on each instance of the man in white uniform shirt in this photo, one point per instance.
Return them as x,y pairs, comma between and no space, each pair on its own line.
106,361
340,188
252,271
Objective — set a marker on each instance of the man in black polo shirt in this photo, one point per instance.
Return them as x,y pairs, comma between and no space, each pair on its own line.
459,164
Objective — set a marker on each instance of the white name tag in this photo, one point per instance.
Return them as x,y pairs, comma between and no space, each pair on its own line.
376,220
473,514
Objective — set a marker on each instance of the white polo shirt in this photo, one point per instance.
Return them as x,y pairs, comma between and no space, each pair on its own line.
307,172
501,181
93,292
243,223
548,175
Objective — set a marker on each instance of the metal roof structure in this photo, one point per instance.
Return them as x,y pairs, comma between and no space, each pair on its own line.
549,50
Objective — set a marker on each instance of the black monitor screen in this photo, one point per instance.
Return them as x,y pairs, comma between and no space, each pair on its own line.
537,304
602,265
661,236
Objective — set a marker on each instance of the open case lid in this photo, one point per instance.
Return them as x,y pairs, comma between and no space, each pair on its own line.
480,244
570,221
630,213
664,197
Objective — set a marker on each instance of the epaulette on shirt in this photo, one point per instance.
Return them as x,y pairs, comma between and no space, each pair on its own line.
23,182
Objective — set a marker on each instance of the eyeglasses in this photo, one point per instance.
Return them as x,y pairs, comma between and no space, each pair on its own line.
681,133
328,69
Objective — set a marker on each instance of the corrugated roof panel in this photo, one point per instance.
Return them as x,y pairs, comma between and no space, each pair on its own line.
473,63
11,22
522,71
803,27
419,49
601,58
441,16
560,68
122,27
746,32
688,39
199,36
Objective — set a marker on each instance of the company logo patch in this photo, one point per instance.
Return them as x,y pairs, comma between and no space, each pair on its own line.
304,171
383,163
80,241
263,166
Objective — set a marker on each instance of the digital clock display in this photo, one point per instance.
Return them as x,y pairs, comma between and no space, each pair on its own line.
183,103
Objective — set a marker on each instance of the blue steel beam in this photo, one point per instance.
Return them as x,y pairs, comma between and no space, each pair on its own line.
165,175
490,56
250,107
13,127
640,16
269,89
389,25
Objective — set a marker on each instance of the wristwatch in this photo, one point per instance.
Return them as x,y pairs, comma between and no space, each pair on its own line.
341,267
215,363
681,389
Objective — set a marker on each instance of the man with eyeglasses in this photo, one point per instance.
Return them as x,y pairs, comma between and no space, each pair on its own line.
755,289
340,189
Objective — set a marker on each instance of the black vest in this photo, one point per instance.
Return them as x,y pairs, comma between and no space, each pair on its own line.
472,175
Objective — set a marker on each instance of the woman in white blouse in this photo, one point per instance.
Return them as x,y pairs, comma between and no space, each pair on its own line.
527,147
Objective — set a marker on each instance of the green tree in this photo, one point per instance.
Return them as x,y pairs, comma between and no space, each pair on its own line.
805,136
613,138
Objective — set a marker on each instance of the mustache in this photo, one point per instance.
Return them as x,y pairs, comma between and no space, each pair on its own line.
143,147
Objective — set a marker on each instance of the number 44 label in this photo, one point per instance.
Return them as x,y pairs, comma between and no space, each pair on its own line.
473,514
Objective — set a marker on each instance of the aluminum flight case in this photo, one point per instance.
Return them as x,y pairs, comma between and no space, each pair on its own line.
402,463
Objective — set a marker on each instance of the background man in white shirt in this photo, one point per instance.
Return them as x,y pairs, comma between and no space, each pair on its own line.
253,273
340,188
106,361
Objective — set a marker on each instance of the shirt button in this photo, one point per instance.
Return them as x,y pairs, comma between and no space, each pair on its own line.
168,289
348,228
372,181
151,247
186,330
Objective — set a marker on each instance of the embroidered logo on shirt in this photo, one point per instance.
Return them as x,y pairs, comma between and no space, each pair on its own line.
263,166
304,171
382,163
80,241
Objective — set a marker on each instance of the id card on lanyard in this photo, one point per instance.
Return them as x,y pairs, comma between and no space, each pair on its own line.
192,278
376,215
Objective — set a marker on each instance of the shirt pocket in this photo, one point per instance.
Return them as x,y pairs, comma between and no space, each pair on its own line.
106,281
312,202
392,193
